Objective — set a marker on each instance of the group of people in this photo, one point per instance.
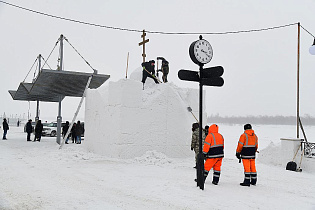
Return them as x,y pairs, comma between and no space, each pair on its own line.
149,70
38,130
213,151
76,131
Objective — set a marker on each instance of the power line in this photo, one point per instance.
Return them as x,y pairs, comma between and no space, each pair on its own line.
152,32
308,31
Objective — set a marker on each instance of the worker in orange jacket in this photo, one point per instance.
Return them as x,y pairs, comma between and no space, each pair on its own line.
213,151
246,150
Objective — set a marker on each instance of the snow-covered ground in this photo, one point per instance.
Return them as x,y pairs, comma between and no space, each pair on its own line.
39,175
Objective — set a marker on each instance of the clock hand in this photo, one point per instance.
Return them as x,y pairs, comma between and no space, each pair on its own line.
205,52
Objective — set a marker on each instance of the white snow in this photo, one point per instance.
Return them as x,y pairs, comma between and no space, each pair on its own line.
38,175
123,120
141,159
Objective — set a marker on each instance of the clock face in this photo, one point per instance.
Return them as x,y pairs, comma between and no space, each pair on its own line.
203,51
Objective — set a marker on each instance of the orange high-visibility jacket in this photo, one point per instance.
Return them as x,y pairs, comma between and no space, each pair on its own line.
214,143
248,144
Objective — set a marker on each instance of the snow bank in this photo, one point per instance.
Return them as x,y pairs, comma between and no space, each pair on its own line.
281,154
123,120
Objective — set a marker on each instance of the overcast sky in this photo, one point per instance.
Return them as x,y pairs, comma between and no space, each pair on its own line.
260,68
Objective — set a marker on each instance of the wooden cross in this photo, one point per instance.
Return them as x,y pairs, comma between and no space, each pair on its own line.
143,44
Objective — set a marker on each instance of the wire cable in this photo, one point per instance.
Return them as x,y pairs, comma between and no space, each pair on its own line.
79,54
45,63
50,54
152,32
307,31
30,69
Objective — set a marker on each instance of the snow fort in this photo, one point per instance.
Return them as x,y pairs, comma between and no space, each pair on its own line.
124,121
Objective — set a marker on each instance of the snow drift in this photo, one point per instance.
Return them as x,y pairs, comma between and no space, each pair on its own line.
123,120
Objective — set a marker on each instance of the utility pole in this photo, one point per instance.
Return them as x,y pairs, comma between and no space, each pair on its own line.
298,86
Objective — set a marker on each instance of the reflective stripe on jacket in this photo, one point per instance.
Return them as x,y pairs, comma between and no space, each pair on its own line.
214,143
248,144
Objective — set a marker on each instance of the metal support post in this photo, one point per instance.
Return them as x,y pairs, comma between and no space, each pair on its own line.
37,107
59,118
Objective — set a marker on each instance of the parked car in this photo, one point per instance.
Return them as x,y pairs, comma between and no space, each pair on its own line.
50,129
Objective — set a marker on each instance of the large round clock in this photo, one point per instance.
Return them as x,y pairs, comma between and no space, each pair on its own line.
200,52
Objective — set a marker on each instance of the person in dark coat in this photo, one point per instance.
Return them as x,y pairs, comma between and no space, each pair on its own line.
29,130
65,129
78,132
149,71
5,127
38,130
164,69
73,136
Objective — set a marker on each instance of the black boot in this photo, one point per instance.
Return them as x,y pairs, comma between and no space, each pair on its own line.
216,177
253,177
246,180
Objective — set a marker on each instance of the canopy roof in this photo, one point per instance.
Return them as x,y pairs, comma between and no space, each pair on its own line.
23,94
50,84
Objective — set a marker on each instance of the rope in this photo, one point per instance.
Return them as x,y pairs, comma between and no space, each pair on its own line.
79,54
152,32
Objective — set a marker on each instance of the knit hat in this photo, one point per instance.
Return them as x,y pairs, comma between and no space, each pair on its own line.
247,126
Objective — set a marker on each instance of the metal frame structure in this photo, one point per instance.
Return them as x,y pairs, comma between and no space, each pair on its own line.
54,85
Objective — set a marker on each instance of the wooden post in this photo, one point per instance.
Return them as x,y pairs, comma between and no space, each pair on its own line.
143,45
298,86
127,64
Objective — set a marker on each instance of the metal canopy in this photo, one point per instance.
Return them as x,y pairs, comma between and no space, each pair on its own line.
65,83
23,94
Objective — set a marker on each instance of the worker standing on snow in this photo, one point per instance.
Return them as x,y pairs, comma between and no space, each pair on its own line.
148,71
164,69
195,140
213,151
246,150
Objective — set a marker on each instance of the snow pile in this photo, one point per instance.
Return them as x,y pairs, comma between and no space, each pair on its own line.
271,155
153,158
124,121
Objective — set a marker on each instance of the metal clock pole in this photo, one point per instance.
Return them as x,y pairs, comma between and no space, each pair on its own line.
200,178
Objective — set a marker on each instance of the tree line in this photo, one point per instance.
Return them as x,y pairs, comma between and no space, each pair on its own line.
263,120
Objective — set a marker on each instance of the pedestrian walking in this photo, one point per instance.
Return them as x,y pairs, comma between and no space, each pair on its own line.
29,130
246,150
213,151
5,127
